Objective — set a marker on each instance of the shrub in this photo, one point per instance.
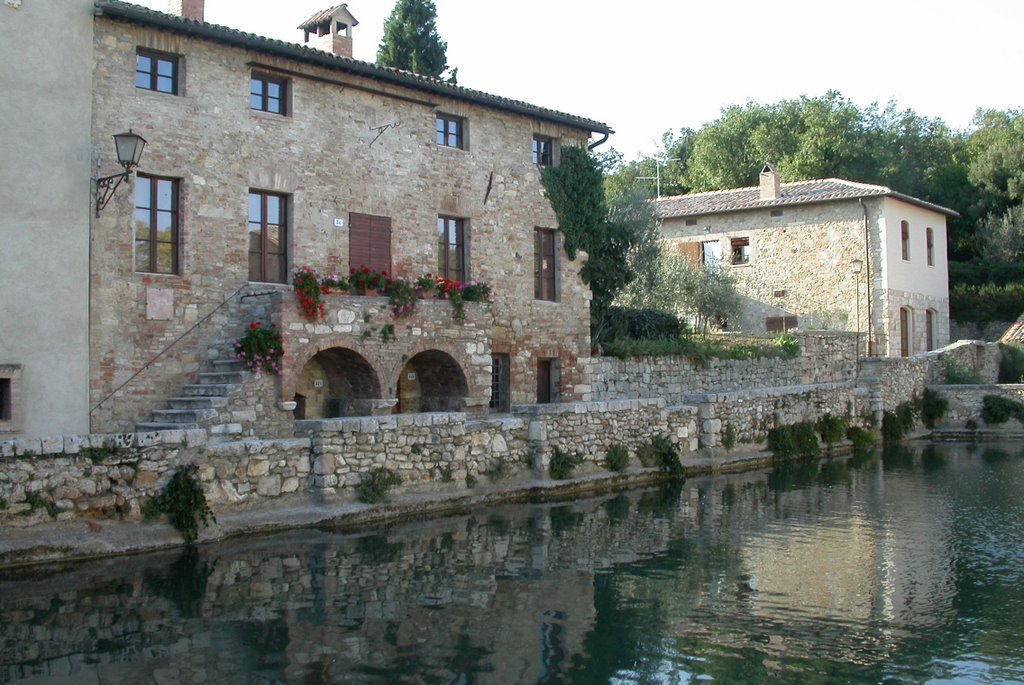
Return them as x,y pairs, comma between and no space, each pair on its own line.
861,438
1011,364
907,414
997,409
788,343
933,407
984,303
728,437
971,425
617,458
957,373
642,324
796,440
184,502
661,452
563,463
893,429
830,428
374,485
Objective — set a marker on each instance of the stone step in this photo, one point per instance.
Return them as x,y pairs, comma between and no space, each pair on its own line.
220,377
229,365
197,402
150,426
183,415
210,389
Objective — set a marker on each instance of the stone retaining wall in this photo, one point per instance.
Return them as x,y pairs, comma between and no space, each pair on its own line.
965,405
824,358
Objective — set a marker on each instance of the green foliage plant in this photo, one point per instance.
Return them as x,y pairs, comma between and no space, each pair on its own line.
893,429
933,407
100,454
662,453
1011,363
184,503
308,292
410,40
260,349
402,297
861,439
446,473
997,409
797,440
986,302
728,436
830,428
471,481
955,372
374,485
563,463
788,343
616,458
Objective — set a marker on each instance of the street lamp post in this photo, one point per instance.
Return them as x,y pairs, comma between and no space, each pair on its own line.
855,266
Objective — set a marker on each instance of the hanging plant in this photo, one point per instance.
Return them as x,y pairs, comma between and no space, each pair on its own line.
260,348
402,297
308,291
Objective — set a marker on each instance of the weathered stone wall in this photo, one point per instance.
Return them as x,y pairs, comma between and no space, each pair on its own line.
969,330
823,358
965,403
748,415
326,158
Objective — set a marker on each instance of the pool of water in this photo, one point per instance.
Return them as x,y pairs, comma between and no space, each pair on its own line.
899,567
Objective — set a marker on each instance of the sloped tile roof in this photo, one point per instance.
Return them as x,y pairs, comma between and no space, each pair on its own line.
319,17
795,193
1015,333
222,34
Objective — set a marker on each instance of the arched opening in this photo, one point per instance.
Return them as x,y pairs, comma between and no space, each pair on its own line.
431,381
336,382
906,332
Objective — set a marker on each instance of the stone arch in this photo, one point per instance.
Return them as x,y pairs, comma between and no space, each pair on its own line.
330,380
431,380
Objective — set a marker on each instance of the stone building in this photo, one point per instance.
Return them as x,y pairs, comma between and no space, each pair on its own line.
823,254
264,157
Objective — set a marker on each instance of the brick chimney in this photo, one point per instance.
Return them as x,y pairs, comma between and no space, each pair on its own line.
331,31
769,182
190,9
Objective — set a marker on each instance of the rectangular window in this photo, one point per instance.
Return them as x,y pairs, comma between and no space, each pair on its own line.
450,131
905,240
543,151
711,254
156,71
547,381
268,237
930,329
930,247
156,224
740,250
451,248
369,242
545,254
10,400
500,390
775,212
268,94
779,324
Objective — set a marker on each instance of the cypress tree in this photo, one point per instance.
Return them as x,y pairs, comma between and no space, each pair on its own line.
410,40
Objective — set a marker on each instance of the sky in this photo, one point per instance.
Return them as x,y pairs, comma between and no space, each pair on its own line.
649,66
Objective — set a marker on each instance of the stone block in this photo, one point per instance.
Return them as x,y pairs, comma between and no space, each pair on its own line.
257,467
269,486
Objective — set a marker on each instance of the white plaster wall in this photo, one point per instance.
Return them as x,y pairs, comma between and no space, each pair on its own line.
45,110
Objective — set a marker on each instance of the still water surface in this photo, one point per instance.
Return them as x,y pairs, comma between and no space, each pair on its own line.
903,567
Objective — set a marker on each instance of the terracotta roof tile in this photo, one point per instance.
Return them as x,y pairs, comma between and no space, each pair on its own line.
795,193
1015,333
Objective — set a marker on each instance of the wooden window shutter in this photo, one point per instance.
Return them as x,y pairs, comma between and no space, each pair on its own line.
691,251
369,242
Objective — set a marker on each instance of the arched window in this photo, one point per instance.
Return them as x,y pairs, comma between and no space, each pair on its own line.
906,331
929,237
905,240
930,328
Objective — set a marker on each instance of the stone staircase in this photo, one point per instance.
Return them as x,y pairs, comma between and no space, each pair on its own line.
201,404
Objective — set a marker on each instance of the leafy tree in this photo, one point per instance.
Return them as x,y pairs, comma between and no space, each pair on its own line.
575,189
1001,238
411,41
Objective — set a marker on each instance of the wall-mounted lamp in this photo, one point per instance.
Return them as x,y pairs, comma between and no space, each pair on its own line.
129,152
856,265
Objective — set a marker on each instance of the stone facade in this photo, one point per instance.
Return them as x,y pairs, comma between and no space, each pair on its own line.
797,268
350,143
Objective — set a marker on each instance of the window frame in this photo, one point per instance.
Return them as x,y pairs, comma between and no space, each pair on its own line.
443,131
501,383
154,212
542,157
545,279
265,98
263,223
905,240
10,398
740,246
452,232
153,75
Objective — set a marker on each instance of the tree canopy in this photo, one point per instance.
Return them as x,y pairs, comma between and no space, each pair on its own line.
411,41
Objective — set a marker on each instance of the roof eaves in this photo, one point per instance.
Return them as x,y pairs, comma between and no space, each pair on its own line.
250,41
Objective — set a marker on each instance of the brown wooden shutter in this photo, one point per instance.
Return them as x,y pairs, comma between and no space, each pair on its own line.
691,251
369,242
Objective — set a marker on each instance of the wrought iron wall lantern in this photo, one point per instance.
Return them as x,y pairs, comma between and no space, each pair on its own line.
129,152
